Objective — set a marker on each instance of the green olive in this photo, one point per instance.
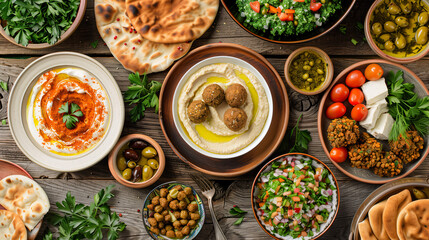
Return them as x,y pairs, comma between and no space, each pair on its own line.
122,163
319,71
400,41
390,26
309,80
295,23
153,163
422,35
402,21
306,67
423,18
267,5
142,161
406,8
131,164
264,11
149,152
393,9
127,174
147,173
385,37
389,46
419,194
377,28
305,76
311,63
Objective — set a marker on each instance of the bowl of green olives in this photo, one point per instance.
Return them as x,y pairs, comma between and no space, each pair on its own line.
137,161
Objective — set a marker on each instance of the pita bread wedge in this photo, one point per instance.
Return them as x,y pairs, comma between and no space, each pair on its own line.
365,231
375,216
11,226
172,21
394,205
134,52
413,221
24,197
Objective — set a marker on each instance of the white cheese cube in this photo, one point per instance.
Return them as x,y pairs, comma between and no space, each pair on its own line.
375,91
373,114
383,127
382,102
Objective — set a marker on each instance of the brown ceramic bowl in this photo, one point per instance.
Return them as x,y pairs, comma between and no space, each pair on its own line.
113,167
323,122
329,69
265,168
79,16
378,51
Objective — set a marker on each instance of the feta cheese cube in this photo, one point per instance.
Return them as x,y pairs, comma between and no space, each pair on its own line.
382,102
382,127
373,114
375,91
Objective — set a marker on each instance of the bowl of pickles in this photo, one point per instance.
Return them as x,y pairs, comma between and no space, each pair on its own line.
137,161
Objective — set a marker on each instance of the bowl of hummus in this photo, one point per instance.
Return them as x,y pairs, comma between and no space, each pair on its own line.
222,107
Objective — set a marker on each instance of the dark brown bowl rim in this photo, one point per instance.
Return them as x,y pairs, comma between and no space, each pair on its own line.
290,42
255,214
321,113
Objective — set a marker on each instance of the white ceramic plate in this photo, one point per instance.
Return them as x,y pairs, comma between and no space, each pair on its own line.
209,61
18,121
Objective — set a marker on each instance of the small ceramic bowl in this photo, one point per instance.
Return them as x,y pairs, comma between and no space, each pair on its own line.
146,213
78,19
113,156
329,70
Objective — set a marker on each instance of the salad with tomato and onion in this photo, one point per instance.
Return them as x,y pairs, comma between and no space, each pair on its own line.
296,197
287,17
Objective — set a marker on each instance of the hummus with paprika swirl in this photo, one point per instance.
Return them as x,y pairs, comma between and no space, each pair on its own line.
67,86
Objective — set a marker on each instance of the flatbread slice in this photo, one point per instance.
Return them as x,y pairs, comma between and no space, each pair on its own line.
413,221
365,231
24,197
11,226
172,21
375,216
394,205
134,52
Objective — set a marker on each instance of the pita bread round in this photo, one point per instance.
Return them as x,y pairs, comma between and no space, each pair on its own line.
394,205
413,221
172,21
375,216
11,226
365,231
24,197
133,51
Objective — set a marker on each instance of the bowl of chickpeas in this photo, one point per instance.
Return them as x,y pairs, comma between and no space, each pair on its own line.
173,211
137,161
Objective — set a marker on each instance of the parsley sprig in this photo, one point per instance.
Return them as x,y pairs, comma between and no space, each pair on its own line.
237,212
296,140
70,118
143,93
80,221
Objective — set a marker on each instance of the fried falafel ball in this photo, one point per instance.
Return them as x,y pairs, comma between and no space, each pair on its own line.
366,153
235,119
343,132
390,165
213,95
407,149
198,111
235,95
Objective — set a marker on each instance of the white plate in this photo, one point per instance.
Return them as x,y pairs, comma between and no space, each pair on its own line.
18,121
209,61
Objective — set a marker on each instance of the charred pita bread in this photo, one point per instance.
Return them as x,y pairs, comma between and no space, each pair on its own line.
413,221
172,21
375,216
365,231
11,226
394,205
134,52
24,197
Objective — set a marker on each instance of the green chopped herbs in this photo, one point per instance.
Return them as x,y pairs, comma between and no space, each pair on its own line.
354,41
296,140
4,86
237,212
4,122
94,44
70,117
343,29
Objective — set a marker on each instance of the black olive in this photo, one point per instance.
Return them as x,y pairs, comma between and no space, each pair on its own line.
131,155
137,173
138,144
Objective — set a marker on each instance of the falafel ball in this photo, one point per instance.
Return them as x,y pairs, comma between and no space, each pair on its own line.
198,111
213,95
365,154
235,95
235,119
343,132
390,165
407,149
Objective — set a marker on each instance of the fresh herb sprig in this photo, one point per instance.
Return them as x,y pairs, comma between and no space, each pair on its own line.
143,93
237,212
86,222
296,140
70,117
4,85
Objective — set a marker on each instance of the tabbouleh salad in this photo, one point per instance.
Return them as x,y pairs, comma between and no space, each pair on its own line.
287,17
297,198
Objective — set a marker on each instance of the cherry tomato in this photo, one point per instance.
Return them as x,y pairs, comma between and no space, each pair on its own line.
338,155
373,72
339,93
355,79
315,6
336,110
255,6
356,96
359,112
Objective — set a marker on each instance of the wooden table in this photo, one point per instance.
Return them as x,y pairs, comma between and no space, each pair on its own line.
231,191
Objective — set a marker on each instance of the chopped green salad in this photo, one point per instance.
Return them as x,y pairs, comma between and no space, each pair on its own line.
287,17
296,197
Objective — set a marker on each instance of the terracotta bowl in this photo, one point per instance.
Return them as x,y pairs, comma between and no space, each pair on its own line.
329,68
265,168
79,16
377,50
113,167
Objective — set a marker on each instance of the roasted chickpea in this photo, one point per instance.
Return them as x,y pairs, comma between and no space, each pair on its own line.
195,216
158,217
176,214
174,204
186,230
193,207
182,205
167,218
164,213
151,207
178,187
169,198
191,198
158,208
184,214
188,190
192,223
161,225
155,200
155,230
170,234
183,222
177,224
163,192
168,227
152,221
163,231
163,202
181,195
179,234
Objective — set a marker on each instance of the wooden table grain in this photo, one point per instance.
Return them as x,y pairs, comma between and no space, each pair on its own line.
230,191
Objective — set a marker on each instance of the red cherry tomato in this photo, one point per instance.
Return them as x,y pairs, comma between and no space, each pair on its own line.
356,96
373,72
359,112
336,110
315,6
339,93
355,79
338,155
255,6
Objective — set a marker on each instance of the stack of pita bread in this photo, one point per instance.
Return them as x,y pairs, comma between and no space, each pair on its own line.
149,35
397,218
25,202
